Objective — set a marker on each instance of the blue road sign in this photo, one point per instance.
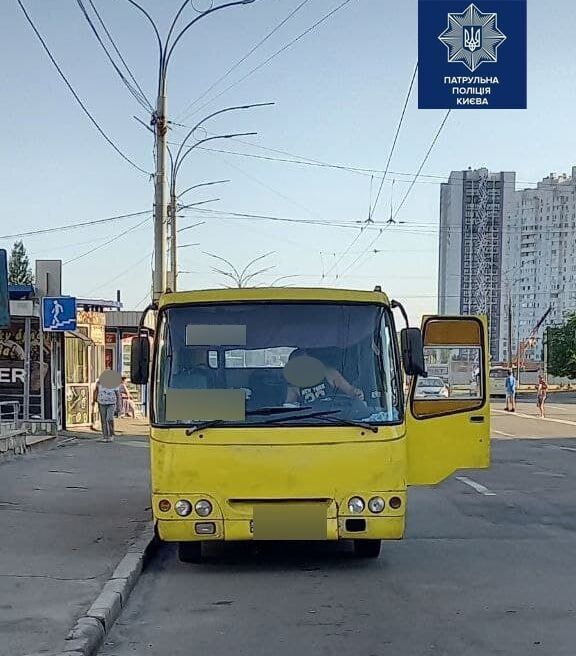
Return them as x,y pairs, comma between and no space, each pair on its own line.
472,55
58,313
4,296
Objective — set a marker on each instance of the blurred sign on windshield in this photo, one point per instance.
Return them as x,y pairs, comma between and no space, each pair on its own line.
472,55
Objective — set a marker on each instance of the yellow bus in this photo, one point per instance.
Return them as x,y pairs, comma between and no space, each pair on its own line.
279,414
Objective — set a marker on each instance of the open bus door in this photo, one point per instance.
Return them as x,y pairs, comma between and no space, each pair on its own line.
448,434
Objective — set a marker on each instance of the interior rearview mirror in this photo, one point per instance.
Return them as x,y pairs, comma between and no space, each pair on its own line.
412,352
139,360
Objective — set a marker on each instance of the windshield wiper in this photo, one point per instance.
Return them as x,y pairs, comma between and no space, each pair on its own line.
201,425
272,410
321,414
327,415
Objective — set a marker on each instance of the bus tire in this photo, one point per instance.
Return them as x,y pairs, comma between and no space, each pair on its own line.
190,552
367,548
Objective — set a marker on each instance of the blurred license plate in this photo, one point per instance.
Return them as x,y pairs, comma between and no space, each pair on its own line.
290,521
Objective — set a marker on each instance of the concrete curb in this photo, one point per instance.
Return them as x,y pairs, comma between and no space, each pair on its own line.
89,632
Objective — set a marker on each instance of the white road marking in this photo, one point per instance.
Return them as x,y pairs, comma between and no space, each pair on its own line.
563,448
536,418
476,486
502,433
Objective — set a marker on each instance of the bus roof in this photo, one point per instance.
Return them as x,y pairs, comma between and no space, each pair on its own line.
251,294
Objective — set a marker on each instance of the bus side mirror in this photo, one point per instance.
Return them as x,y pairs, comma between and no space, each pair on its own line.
412,352
139,360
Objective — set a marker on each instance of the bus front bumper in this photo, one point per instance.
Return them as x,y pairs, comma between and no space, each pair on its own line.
340,528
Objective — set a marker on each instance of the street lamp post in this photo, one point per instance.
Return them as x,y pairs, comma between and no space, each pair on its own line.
160,124
175,167
177,161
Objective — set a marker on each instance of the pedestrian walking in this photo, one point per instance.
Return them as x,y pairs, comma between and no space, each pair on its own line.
128,405
107,396
510,392
541,395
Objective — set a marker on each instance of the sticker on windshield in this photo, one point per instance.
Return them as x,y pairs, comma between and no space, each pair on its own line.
215,335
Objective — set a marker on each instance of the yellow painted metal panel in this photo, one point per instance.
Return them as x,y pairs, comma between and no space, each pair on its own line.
273,294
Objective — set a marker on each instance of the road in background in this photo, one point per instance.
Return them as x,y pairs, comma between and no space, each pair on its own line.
560,418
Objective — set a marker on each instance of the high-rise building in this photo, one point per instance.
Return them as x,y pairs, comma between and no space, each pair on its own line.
539,247
473,207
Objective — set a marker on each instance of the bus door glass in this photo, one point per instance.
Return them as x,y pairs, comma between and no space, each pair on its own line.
448,419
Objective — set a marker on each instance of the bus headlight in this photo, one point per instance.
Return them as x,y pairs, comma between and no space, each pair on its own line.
203,507
376,504
183,507
356,505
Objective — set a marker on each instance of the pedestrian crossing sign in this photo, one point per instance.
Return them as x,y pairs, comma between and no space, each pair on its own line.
58,313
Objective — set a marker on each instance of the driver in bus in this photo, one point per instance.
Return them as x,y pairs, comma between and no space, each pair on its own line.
333,383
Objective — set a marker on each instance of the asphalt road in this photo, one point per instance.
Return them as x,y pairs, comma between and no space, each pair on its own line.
483,570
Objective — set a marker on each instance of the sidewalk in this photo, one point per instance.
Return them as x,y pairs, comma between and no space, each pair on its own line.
67,516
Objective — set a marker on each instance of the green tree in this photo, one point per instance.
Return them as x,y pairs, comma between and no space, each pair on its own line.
562,349
19,271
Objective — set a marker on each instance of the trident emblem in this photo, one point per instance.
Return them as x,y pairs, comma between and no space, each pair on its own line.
472,39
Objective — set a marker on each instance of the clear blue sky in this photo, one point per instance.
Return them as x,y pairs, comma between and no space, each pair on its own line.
338,95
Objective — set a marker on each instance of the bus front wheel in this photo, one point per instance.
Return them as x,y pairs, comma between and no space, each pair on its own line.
367,548
190,552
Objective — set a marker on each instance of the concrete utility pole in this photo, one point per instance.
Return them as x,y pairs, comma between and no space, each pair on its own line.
172,219
160,192
166,48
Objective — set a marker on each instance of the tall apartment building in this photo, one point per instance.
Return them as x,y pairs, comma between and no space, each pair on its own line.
473,207
540,250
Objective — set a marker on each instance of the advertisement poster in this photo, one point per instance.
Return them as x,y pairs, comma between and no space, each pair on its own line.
13,368
78,409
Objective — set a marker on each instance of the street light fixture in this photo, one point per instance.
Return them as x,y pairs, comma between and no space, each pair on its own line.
243,277
176,163
202,184
192,226
160,125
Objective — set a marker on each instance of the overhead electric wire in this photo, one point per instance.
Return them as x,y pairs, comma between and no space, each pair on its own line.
372,207
123,272
308,161
436,136
242,60
393,218
274,55
73,92
138,96
392,149
106,243
73,226
266,186
133,87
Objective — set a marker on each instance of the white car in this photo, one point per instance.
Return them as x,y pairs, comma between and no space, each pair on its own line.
432,387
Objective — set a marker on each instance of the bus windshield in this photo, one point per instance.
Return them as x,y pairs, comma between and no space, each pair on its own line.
276,363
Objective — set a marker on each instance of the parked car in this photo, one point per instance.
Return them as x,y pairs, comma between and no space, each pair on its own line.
432,387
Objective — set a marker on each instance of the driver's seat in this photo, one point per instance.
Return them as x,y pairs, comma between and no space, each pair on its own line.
267,388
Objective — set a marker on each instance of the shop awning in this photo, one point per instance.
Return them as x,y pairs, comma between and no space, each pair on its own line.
80,335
